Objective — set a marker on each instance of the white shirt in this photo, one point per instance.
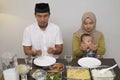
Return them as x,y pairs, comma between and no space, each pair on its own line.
38,39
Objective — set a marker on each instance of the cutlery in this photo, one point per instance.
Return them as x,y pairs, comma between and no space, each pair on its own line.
106,69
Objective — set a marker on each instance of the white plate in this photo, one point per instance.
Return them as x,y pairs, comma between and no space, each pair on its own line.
44,61
89,62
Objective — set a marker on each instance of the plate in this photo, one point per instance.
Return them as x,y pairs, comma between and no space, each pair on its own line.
44,61
89,62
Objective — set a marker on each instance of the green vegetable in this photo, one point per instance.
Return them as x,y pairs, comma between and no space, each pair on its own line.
53,77
57,77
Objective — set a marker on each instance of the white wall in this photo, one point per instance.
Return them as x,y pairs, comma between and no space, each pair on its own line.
15,15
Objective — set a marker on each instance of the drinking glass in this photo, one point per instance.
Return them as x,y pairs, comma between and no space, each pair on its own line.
29,61
23,70
68,58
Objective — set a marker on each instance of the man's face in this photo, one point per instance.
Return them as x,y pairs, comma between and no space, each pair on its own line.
42,19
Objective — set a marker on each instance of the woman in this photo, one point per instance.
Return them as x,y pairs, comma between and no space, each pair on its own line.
88,27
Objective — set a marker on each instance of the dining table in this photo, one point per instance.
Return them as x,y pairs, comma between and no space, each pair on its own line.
104,61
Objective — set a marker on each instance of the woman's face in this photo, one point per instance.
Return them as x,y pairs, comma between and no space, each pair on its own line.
88,25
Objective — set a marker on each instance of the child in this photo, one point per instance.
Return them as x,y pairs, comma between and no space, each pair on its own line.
87,39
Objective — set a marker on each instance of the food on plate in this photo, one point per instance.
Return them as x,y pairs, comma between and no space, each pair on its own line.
108,75
23,69
78,73
57,67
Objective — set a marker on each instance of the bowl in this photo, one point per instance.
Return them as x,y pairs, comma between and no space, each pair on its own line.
57,67
108,75
78,73
38,74
52,75
55,72
23,69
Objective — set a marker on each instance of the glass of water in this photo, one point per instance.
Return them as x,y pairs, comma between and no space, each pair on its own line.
29,61
68,58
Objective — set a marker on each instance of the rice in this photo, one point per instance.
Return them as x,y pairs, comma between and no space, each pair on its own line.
96,73
23,69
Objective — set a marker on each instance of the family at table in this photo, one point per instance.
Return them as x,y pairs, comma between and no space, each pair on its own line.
45,38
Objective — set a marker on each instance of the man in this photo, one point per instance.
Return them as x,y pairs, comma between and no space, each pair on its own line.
42,37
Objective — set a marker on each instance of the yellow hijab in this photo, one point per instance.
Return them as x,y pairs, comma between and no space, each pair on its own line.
96,34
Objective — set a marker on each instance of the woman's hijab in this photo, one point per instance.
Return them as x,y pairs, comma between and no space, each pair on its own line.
96,34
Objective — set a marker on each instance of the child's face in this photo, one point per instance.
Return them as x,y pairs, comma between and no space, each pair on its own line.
87,40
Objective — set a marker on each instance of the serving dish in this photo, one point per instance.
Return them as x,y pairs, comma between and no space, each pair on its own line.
38,74
23,69
57,67
52,75
55,72
78,73
108,75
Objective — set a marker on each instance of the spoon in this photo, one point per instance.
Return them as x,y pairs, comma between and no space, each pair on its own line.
106,69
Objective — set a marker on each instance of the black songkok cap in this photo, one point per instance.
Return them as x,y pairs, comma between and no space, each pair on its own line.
42,7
